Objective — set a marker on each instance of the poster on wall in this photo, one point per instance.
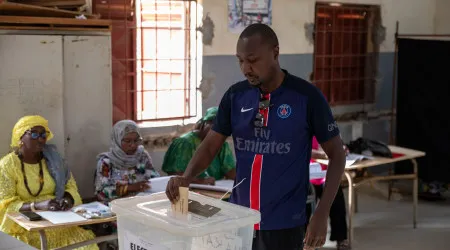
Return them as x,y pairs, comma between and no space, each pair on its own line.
242,13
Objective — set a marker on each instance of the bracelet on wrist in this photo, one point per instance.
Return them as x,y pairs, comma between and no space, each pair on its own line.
33,208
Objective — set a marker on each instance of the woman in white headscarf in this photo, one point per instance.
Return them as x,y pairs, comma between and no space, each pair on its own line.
126,168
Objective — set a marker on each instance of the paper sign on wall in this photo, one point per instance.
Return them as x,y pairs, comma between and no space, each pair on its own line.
133,242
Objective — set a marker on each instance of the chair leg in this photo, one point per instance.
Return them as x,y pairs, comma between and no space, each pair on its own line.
390,186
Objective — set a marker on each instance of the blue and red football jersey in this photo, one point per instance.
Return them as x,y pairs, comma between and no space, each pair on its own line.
274,156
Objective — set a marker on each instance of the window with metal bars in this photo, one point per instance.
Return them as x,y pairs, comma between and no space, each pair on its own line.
155,59
344,56
167,55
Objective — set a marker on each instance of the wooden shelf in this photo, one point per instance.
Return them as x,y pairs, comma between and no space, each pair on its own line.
51,3
52,23
17,9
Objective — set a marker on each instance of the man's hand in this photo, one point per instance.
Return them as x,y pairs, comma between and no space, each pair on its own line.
316,232
209,181
172,190
202,158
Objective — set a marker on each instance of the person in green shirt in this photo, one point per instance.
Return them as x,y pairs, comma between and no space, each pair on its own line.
183,148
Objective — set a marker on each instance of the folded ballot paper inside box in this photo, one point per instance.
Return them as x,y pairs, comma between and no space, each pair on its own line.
93,210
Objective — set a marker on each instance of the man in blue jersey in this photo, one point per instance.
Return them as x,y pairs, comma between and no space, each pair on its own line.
272,117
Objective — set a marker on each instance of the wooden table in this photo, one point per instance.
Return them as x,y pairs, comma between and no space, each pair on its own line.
407,154
42,225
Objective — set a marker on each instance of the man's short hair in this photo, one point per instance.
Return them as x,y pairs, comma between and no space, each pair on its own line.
267,34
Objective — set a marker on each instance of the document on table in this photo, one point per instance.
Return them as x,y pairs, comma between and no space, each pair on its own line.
350,159
158,184
316,172
61,217
220,186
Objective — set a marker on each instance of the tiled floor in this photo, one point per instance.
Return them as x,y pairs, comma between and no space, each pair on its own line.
380,224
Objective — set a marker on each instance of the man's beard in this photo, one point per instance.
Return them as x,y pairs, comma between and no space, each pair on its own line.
256,83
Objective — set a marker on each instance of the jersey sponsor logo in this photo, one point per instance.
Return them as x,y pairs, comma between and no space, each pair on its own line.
262,143
245,110
332,126
284,111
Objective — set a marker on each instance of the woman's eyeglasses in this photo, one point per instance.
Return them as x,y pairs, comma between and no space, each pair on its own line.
35,135
264,105
137,141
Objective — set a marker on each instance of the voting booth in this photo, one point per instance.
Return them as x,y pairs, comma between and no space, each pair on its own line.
149,222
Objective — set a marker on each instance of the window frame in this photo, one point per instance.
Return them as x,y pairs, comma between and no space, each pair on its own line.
366,83
192,71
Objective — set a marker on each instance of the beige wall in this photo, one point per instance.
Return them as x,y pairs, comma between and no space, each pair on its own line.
442,18
289,17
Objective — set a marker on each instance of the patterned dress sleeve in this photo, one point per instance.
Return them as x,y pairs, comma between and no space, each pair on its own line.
105,186
9,200
228,162
72,189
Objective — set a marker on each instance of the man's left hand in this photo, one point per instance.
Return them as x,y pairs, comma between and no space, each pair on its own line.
316,232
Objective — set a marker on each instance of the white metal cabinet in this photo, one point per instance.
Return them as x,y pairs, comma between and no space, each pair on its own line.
65,77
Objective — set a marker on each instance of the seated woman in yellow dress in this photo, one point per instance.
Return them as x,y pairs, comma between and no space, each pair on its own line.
34,177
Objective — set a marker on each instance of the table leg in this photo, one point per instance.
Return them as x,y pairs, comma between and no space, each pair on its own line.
351,200
44,245
390,185
415,192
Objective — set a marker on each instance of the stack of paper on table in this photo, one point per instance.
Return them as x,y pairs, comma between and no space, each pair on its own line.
159,184
93,210
220,186
316,172
61,217
350,159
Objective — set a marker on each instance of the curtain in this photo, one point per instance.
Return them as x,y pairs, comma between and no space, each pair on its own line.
423,95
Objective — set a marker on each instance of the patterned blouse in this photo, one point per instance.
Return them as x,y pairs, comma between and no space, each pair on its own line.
107,177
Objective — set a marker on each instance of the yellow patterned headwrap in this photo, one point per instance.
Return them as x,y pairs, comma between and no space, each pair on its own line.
26,123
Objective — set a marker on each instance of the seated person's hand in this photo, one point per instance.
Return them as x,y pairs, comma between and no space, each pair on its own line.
139,187
209,181
66,203
48,205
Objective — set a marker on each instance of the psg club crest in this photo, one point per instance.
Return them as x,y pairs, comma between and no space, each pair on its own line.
284,111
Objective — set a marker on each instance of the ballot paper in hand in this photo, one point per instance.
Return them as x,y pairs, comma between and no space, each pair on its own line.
180,207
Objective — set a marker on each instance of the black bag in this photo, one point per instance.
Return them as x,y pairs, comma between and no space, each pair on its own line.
377,148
